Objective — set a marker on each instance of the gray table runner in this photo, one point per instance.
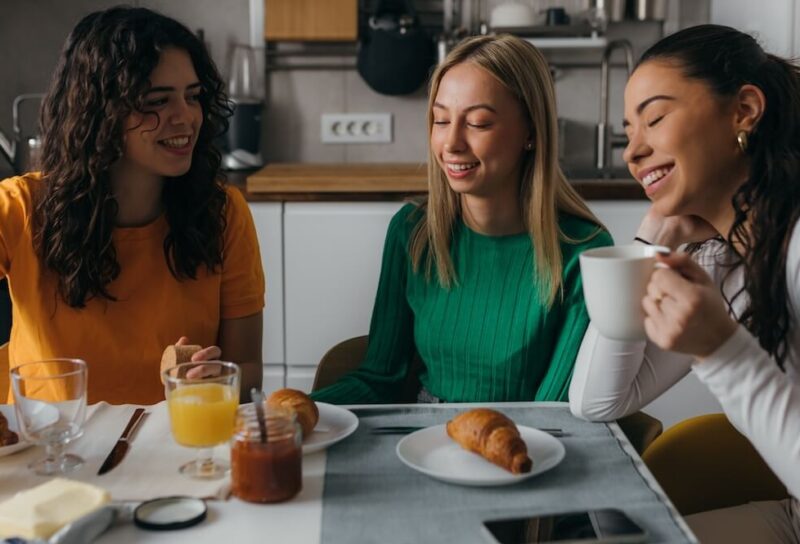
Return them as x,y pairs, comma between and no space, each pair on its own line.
371,496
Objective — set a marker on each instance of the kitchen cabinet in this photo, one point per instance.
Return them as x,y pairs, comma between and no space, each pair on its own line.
311,20
268,220
621,217
332,262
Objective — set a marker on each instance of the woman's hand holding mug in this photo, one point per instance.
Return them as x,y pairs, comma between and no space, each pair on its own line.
684,310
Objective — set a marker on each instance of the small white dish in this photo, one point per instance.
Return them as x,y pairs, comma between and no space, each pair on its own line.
8,411
430,451
335,424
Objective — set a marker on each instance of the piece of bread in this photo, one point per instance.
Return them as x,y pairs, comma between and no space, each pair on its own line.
175,355
493,436
7,436
298,402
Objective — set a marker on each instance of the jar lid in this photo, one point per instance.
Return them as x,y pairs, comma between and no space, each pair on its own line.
170,513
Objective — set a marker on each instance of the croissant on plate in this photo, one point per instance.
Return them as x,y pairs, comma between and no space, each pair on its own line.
493,436
298,402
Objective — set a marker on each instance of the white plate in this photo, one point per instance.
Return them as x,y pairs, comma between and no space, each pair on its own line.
8,411
432,452
335,424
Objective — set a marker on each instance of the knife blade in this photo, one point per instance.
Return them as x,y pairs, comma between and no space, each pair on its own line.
123,444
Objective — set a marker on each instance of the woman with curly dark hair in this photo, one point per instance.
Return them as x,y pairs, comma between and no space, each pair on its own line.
714,129
127,239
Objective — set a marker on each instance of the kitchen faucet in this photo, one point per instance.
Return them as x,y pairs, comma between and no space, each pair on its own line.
607,139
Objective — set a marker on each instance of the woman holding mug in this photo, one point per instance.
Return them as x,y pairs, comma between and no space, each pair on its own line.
482,280
714,137
127,240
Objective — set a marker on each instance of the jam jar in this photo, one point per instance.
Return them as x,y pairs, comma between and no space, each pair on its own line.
266,469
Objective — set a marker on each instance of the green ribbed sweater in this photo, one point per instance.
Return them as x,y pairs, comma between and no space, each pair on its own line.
487,338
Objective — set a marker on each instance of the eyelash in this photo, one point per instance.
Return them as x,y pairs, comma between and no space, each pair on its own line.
471,125
655,121
162,101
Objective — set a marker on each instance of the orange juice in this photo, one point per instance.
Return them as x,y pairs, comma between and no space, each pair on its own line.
203,415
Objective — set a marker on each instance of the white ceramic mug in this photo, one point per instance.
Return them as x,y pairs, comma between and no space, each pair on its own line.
614,283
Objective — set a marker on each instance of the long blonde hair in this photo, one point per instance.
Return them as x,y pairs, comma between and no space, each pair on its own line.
544,191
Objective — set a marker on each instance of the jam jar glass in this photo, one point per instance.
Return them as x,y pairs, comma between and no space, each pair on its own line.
266,469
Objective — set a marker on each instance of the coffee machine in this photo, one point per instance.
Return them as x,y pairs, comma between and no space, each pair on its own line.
241,145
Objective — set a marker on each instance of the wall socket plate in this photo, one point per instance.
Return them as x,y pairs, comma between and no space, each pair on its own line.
364,128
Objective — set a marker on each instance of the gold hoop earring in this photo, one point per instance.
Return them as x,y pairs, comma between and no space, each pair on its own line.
741,139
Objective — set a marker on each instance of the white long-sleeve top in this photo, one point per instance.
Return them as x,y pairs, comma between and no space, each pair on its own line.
615,378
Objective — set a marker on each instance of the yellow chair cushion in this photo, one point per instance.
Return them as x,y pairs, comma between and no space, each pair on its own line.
704,463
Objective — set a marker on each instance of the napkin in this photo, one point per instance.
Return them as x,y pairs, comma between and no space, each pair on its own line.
148,471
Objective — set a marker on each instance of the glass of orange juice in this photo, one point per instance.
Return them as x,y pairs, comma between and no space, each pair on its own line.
202,398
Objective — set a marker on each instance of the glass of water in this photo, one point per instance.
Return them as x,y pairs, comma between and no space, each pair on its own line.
50,404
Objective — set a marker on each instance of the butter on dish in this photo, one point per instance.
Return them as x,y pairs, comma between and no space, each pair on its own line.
42,510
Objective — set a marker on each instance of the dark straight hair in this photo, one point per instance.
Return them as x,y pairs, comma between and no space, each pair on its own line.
767,205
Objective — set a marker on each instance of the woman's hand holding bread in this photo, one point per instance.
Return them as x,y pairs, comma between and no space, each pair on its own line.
183,352
299,403
493,436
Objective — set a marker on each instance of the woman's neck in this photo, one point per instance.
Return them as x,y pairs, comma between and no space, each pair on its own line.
138,195
492,216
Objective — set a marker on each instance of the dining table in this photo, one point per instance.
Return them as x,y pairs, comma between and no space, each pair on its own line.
360,490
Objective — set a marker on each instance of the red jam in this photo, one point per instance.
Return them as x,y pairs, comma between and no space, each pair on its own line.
268,471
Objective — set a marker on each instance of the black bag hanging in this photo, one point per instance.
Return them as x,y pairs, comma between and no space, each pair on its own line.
396,54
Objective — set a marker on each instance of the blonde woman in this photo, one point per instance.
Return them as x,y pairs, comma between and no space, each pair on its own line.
482,280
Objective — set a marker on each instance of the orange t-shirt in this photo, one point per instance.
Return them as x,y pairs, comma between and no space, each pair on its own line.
122,341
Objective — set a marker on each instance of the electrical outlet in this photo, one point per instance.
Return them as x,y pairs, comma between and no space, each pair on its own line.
365,128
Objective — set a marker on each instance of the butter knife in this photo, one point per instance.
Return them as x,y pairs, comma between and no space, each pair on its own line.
121,447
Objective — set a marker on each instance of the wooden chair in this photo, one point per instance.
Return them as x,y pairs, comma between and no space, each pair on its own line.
640,428
4,368
346,356
704,463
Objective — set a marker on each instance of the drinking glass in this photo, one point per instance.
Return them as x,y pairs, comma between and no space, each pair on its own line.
202,398
50,405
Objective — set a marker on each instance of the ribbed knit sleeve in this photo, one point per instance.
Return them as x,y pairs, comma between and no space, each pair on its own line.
391,342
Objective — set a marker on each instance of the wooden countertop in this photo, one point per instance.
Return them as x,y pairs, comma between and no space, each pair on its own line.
382,181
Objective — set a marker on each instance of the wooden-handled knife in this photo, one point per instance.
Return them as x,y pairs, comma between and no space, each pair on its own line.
121,447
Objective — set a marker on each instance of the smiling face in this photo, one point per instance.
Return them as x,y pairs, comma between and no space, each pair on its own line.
479,132
159,140
682,141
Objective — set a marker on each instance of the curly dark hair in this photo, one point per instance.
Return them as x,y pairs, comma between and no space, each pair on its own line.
767,205
101,78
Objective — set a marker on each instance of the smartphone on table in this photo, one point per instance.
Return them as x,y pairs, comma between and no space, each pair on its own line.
594,526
